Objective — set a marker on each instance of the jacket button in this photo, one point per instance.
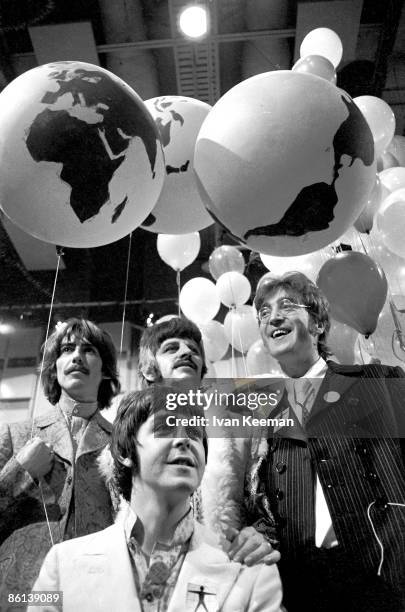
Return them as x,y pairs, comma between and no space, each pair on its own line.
69,480
281,467
279,494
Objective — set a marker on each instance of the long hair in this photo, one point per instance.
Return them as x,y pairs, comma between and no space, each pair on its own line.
152,338
306,292
133,411
84,330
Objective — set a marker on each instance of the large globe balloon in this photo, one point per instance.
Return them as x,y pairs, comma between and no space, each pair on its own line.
81,164
285,162
179,209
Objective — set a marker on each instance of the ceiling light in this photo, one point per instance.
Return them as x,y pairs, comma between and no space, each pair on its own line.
193,21
6,328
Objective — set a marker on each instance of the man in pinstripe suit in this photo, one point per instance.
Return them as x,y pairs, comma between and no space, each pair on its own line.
336,480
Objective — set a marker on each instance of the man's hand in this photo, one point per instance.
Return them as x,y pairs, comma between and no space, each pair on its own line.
36,457
250,547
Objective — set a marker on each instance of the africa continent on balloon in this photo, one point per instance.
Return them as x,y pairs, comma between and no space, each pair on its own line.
290,167
89,158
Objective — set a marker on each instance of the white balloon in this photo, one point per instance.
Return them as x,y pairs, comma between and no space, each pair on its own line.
241,327
178,251
214,339
233,288
199,300
307,264
324,42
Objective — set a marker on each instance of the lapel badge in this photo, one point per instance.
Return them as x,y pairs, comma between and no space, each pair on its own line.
201,597
331,397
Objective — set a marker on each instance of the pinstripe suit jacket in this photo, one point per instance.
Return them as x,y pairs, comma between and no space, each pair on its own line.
353,444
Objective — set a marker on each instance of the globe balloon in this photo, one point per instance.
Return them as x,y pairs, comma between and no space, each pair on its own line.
225,258
241,327
178,251
366,219
214,339
81,164
233,289
316,65
303,199
356,288
391,222
325,42
179,209
199,300
380,118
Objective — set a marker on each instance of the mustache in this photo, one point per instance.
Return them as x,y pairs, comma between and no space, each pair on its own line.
185,361
77,368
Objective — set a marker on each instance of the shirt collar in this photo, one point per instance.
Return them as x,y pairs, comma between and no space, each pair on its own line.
317,370
134,529
70,407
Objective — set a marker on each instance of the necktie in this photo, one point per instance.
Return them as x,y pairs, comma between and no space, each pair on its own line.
304,395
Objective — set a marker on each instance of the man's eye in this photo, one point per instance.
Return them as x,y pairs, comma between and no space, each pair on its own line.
66,349
195,433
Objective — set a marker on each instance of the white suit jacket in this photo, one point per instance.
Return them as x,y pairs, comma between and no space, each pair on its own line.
95,574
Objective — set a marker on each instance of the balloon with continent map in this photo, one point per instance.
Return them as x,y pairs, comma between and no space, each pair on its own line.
81,163
285,162
179,209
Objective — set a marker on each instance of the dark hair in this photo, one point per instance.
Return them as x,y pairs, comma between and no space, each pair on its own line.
152,338
133,411
306,292
87,330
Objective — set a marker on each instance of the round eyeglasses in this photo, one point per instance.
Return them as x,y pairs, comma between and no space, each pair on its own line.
284,307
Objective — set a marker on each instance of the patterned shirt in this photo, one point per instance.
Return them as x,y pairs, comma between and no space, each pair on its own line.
156,575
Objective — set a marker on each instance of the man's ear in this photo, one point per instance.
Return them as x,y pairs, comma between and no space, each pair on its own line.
316,328
126,461
149,373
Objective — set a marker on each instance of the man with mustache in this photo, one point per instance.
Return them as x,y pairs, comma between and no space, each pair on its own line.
50,488
157,558
172,350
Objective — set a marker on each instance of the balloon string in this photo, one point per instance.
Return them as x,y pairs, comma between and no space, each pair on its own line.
124,310
178,292
59,254
34,408
245,369
232,346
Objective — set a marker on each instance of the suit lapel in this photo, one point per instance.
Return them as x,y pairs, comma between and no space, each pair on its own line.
204,566
96,435
55,431
106,563
334,386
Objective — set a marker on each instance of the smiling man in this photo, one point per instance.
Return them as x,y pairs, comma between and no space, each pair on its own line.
48,466
157,558
335,482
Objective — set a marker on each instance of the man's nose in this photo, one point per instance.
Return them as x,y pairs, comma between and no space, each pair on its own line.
276,317
77,355
181,440
184,349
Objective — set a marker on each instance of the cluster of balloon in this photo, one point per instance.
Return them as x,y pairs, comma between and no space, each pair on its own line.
199,300
356,288
259,361
307,264
81,163
178,252
303,199
179,209
320,53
